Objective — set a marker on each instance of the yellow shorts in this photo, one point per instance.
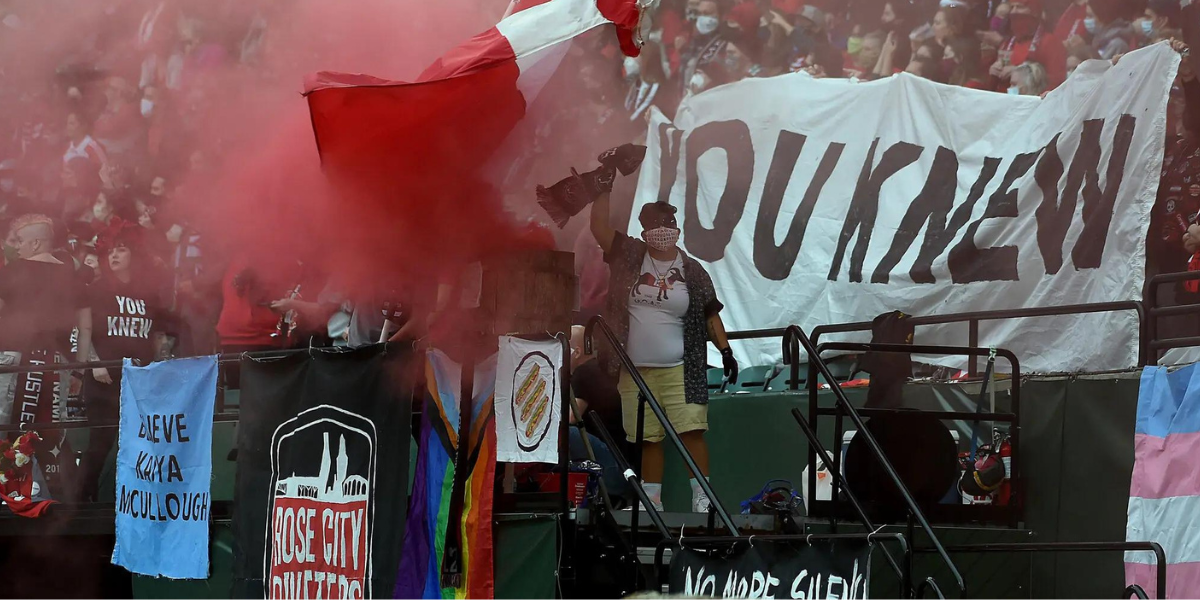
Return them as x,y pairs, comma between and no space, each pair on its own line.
667,386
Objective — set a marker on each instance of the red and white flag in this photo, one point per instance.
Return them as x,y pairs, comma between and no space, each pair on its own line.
462,107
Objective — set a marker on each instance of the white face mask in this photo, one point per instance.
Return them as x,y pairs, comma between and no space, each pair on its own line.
1090,25
632,68
662,238
147,107
706,24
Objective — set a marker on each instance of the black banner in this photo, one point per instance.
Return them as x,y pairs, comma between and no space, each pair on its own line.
321,496
769,569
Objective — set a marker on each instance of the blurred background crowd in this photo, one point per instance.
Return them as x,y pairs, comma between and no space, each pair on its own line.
105,132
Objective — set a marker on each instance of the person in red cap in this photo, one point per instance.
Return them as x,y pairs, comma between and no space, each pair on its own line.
1030,41
123,317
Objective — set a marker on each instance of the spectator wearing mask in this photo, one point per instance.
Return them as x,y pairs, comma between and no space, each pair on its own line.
706,44
1111,35
41,298
123,317
1030,41
1028,79
661,304
1160,16
1072,21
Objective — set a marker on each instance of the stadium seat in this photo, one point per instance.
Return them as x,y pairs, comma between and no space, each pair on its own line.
781,382
716,380
752,380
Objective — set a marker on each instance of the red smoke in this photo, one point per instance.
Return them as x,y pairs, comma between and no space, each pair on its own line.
238,145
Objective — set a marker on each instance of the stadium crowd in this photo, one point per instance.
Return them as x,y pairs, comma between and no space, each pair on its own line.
102,261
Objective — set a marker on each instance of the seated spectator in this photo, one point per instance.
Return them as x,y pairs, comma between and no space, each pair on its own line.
961,63
948,23
1111,34
896,18
737,63
1029,79
925,67
1072,21
809,31
1030,41
1077,54
1160,15
827,60
876,55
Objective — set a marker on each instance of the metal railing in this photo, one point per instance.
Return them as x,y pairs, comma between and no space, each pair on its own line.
1134,590
974,318
794,335
1012,417
815,442
646,398
1160,556
1155,312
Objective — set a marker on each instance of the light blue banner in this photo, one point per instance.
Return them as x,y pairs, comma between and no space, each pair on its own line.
164,467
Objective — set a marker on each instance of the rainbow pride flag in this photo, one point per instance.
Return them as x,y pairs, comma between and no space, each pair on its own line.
420,574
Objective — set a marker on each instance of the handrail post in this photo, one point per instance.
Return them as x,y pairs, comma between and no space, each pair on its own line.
815,360
637,450
972,341
661,415
815,443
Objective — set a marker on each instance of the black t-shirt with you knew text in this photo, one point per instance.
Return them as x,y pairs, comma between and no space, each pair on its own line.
125,317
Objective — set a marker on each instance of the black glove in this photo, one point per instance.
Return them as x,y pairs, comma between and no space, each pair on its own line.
730,364
566,198
625,158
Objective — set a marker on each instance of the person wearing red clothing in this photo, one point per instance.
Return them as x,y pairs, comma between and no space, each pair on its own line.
1072,21
247,321
1031,41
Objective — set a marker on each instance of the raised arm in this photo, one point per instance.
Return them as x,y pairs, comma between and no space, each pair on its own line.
601,229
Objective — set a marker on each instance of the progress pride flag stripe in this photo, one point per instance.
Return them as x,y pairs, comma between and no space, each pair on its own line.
1164,496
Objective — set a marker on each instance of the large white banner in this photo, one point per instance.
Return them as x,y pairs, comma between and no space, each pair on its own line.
831,201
